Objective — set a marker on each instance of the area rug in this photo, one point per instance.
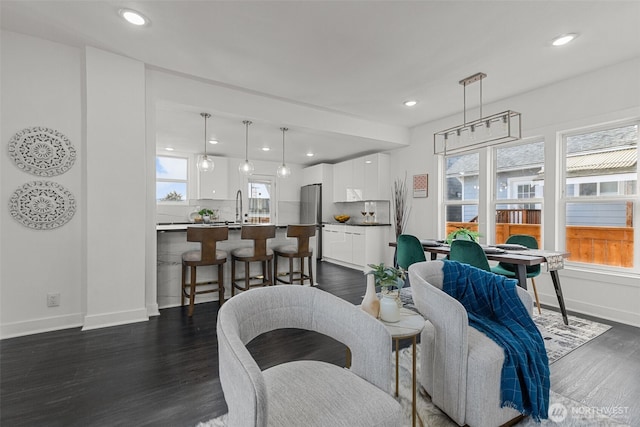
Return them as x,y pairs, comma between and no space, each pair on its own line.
561,339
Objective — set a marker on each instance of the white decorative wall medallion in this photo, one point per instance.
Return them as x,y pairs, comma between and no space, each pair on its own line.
42,205
42,151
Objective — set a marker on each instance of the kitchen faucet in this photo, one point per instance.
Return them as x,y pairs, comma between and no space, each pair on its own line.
239,212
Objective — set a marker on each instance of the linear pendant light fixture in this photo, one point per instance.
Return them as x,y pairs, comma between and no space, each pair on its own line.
283,170
246,168
483,132
205,163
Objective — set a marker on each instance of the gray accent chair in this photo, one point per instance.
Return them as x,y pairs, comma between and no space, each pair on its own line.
305,393
460,367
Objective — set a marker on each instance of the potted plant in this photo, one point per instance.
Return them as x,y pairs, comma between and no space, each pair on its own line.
390,280
462,233
207,215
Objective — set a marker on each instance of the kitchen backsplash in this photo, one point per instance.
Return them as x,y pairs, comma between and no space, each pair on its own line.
288,212
354,209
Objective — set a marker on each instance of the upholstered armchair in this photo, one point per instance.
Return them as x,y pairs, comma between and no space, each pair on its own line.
306,392
460,366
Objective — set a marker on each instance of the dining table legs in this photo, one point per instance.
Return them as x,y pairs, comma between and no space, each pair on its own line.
521,275
556,284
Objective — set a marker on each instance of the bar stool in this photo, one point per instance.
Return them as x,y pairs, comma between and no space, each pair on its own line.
207,255
258,253
300,251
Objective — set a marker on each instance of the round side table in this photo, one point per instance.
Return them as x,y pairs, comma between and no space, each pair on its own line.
408,327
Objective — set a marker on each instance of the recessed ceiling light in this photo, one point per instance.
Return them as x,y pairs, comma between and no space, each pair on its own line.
563,39
213,141
410,103
169,148
368,162
309,154
266,148
133,17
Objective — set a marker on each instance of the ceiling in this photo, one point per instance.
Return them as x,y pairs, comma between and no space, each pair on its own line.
357,58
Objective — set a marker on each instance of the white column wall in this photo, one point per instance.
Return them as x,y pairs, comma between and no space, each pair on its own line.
603,96
41,86
116,189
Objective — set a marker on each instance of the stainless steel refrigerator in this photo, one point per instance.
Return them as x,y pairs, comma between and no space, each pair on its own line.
311,211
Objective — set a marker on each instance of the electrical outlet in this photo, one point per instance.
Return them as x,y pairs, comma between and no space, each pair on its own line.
53,300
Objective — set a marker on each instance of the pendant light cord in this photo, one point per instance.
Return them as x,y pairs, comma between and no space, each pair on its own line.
205,136
246,145
206,116
283,131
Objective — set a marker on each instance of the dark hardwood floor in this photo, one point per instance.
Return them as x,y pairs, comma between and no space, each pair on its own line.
164,372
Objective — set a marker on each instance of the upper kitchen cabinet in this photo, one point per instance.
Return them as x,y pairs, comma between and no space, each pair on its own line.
364,178
376,177
318,174
343,183
215,184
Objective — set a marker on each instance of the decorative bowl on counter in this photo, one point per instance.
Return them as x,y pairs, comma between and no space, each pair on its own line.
342,218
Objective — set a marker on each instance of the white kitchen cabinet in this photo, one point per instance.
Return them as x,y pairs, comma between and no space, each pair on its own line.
214,184
319,174
354,246
332,241
355,190
377,184
364,178
342,177
358,243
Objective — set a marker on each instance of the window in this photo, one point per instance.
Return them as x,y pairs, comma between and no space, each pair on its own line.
461,191
171,179
519,172
261,195
600,181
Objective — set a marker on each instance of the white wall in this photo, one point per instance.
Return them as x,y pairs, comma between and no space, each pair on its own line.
96,262
115,189
603,96
41,88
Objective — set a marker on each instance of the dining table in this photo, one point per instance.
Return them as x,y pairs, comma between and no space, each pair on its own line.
520,258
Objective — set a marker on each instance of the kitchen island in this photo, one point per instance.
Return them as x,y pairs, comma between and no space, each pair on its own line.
172,242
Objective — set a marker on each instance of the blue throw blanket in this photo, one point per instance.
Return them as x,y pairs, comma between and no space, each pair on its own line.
494,308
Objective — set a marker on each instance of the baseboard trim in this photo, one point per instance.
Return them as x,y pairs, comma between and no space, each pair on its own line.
105,320
152,310
46,324
602,312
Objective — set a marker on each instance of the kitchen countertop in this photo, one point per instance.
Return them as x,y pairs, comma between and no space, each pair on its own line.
183,226
358,224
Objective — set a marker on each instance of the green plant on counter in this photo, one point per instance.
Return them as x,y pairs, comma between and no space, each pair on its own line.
204,212
462,233
387,277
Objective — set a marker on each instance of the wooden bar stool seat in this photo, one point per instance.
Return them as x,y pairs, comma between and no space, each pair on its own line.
258,253
207,255
299,251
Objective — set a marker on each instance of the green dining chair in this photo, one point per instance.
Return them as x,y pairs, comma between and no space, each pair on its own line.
469,252
409,251
509,270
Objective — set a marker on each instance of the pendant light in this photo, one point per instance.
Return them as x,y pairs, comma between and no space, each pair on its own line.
205,163
468,135
283,170
246,168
